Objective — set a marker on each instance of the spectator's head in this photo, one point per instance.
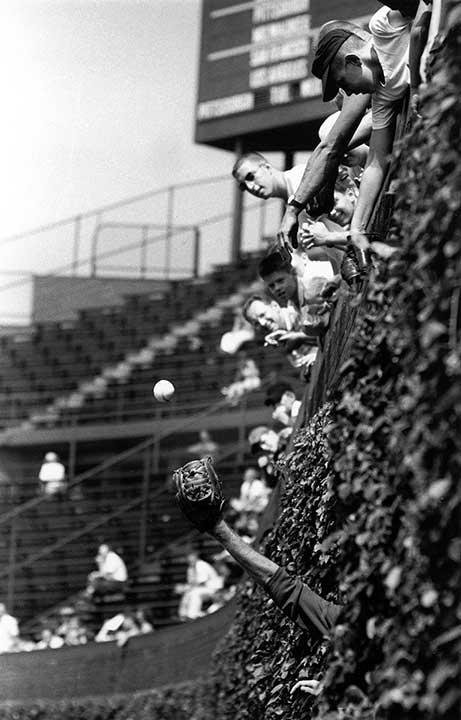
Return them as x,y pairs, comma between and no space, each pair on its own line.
279,277
192,557
256,175
103,550
345,58
2,609
345,194
250,475
262,314
204,436
51,457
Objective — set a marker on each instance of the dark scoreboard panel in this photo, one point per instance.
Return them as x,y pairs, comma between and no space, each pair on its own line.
254,77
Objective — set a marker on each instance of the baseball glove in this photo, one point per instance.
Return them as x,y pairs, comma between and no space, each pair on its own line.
199,493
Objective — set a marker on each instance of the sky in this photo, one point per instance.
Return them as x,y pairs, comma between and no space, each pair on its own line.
97,105
98,101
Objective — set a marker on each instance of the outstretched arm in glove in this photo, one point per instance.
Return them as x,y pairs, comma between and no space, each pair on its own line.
199,494
259,567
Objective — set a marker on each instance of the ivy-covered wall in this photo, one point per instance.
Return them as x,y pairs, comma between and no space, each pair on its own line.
372,506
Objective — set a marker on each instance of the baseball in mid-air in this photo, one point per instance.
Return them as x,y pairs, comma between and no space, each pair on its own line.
163,390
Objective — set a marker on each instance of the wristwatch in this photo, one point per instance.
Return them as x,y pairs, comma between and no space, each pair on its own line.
295,203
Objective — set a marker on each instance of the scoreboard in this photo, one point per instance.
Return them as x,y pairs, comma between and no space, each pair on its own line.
255,83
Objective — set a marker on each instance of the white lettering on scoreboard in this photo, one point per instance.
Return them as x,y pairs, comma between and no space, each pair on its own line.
283,72
278,72
225,106
280,51
267,10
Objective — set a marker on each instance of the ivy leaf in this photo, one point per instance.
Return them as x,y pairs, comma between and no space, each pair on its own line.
431,331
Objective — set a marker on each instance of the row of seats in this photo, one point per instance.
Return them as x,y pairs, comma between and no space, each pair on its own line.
55,358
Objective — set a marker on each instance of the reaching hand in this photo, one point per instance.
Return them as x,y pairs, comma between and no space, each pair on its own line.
286,235
313,233
273,338
313,687
292,339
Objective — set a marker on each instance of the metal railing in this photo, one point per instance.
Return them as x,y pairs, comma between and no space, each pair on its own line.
176,231
147,456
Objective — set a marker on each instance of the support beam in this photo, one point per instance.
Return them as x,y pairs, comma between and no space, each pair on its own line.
237,212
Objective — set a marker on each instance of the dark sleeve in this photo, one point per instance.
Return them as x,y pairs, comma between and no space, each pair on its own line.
301,604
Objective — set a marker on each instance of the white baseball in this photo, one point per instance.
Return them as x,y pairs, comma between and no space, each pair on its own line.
163,390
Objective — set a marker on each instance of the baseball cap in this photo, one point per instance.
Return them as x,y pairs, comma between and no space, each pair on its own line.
332,37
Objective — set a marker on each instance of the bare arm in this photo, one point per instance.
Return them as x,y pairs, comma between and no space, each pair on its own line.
322,167
373,176
323,164
418,39
260,568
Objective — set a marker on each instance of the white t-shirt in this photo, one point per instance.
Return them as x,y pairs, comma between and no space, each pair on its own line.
293,178
392,47
113,567
8,633
204,575
52,471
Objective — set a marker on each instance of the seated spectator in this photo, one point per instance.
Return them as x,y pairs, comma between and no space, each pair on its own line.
247,379
111,575
254,494
76,633
281,397
205,446
9,631
71,631
144,625
49,640
52,476
120,628
202,583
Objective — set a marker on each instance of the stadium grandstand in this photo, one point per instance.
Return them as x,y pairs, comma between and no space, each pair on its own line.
229,431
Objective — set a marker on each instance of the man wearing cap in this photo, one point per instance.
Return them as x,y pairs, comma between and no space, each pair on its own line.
386,71
377,65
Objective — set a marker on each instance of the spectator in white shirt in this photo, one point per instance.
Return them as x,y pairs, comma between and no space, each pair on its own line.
202,583
254,493
52,476
9,631
111,575
48,640
377,64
